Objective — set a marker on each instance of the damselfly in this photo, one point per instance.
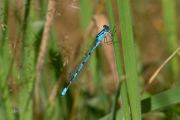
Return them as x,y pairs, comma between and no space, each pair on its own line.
100,36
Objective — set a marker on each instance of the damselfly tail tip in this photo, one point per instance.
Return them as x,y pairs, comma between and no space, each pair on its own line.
64,91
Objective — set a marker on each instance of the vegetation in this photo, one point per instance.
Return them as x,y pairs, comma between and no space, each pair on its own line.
134,77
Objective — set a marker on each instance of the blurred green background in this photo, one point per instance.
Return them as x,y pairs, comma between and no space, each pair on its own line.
74,27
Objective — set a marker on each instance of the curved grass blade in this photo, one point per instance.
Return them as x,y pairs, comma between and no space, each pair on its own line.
155,102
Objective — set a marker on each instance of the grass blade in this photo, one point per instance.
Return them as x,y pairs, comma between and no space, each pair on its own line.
169,14
119,65
129,58
161,100
156,102
85,13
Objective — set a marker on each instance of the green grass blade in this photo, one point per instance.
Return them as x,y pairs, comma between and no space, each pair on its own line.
27,72
6,110
161,100
6,58
3,31
169,14
129,58
119,65
85,13
156,102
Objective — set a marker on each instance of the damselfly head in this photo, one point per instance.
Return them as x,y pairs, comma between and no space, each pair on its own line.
106,27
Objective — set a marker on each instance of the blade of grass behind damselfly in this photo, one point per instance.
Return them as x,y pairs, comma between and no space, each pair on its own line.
85,13
96,74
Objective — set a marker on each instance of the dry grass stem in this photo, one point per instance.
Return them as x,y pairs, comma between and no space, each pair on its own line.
157,71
